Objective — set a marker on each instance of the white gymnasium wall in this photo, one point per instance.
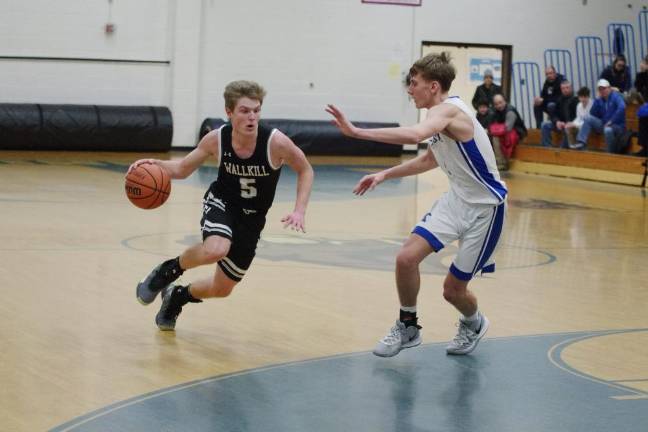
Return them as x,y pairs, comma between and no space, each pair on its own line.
75,29
308,53
305,52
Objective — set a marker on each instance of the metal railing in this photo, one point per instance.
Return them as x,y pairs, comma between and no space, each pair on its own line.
621,40
525,80
590,60
643,33
561,59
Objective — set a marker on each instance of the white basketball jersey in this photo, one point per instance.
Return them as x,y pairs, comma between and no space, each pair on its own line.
469,165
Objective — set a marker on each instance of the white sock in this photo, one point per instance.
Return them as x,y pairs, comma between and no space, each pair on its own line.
473,321
411,309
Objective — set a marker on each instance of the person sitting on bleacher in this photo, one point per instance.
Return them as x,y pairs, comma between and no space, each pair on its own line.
607,116
642,136
546,102
582,110
618,74
484,114
641,79
564,113
506,130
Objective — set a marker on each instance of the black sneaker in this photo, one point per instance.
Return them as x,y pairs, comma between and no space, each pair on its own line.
172,303
169,311
157,280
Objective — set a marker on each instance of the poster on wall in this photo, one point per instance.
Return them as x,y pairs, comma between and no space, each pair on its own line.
479,65
395,2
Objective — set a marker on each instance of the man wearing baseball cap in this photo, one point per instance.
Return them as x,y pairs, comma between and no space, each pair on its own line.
607,116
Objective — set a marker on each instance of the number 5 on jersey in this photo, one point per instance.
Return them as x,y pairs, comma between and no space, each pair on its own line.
247,188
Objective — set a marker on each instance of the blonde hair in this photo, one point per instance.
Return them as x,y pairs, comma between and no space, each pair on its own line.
435,67
240,89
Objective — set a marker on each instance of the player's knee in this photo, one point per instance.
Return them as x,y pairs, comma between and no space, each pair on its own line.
214,253
405,259
449,295
452,292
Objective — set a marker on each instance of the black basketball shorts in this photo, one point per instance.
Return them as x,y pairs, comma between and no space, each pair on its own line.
240,226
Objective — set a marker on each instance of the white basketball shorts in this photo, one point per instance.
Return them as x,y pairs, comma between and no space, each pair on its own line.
476,226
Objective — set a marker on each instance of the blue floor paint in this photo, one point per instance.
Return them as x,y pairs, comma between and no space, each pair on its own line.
507,384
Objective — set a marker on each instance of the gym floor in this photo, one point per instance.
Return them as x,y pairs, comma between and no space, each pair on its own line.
290,350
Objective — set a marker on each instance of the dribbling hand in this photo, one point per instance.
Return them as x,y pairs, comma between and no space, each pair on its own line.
140,162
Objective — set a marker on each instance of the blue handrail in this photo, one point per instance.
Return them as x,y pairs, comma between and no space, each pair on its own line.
590,60
621,40
561,59
525,79
643,33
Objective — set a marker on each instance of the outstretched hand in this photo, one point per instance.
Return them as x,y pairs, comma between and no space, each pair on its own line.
295,221
340,120
368,183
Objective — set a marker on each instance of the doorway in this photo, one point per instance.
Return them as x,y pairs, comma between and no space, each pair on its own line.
471,61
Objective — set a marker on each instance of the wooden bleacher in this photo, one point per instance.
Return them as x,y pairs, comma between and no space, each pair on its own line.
596,142
595,164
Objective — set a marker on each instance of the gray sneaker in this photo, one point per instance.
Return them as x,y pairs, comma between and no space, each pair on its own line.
398,338
156,281
467,339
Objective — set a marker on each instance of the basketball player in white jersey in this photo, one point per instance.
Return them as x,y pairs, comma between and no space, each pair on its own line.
472,211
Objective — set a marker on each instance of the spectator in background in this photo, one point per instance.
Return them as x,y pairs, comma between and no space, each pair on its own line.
564,113
484,114
506,130
641,79
486,91
582,110
618,74
606,116
546,102
642,140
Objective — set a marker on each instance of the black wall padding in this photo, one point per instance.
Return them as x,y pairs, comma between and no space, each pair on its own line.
320,137
85,127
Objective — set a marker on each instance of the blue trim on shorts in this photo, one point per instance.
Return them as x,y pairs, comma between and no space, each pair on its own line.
459,274
431,238
493,238
490,268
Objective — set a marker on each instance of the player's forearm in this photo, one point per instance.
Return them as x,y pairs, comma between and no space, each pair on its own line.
396,135
173,168
415,166
304,186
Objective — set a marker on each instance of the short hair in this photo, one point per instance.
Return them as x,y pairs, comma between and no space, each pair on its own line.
240,89
583,92
435,67
481,102
565,81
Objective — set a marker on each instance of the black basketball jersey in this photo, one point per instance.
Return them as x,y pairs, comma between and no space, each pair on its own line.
248,183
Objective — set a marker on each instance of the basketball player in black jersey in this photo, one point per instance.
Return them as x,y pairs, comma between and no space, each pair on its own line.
249,157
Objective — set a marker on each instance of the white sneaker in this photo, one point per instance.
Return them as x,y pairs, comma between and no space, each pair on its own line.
466,340
398,338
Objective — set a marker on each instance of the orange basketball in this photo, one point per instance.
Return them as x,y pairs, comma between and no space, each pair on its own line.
148,186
